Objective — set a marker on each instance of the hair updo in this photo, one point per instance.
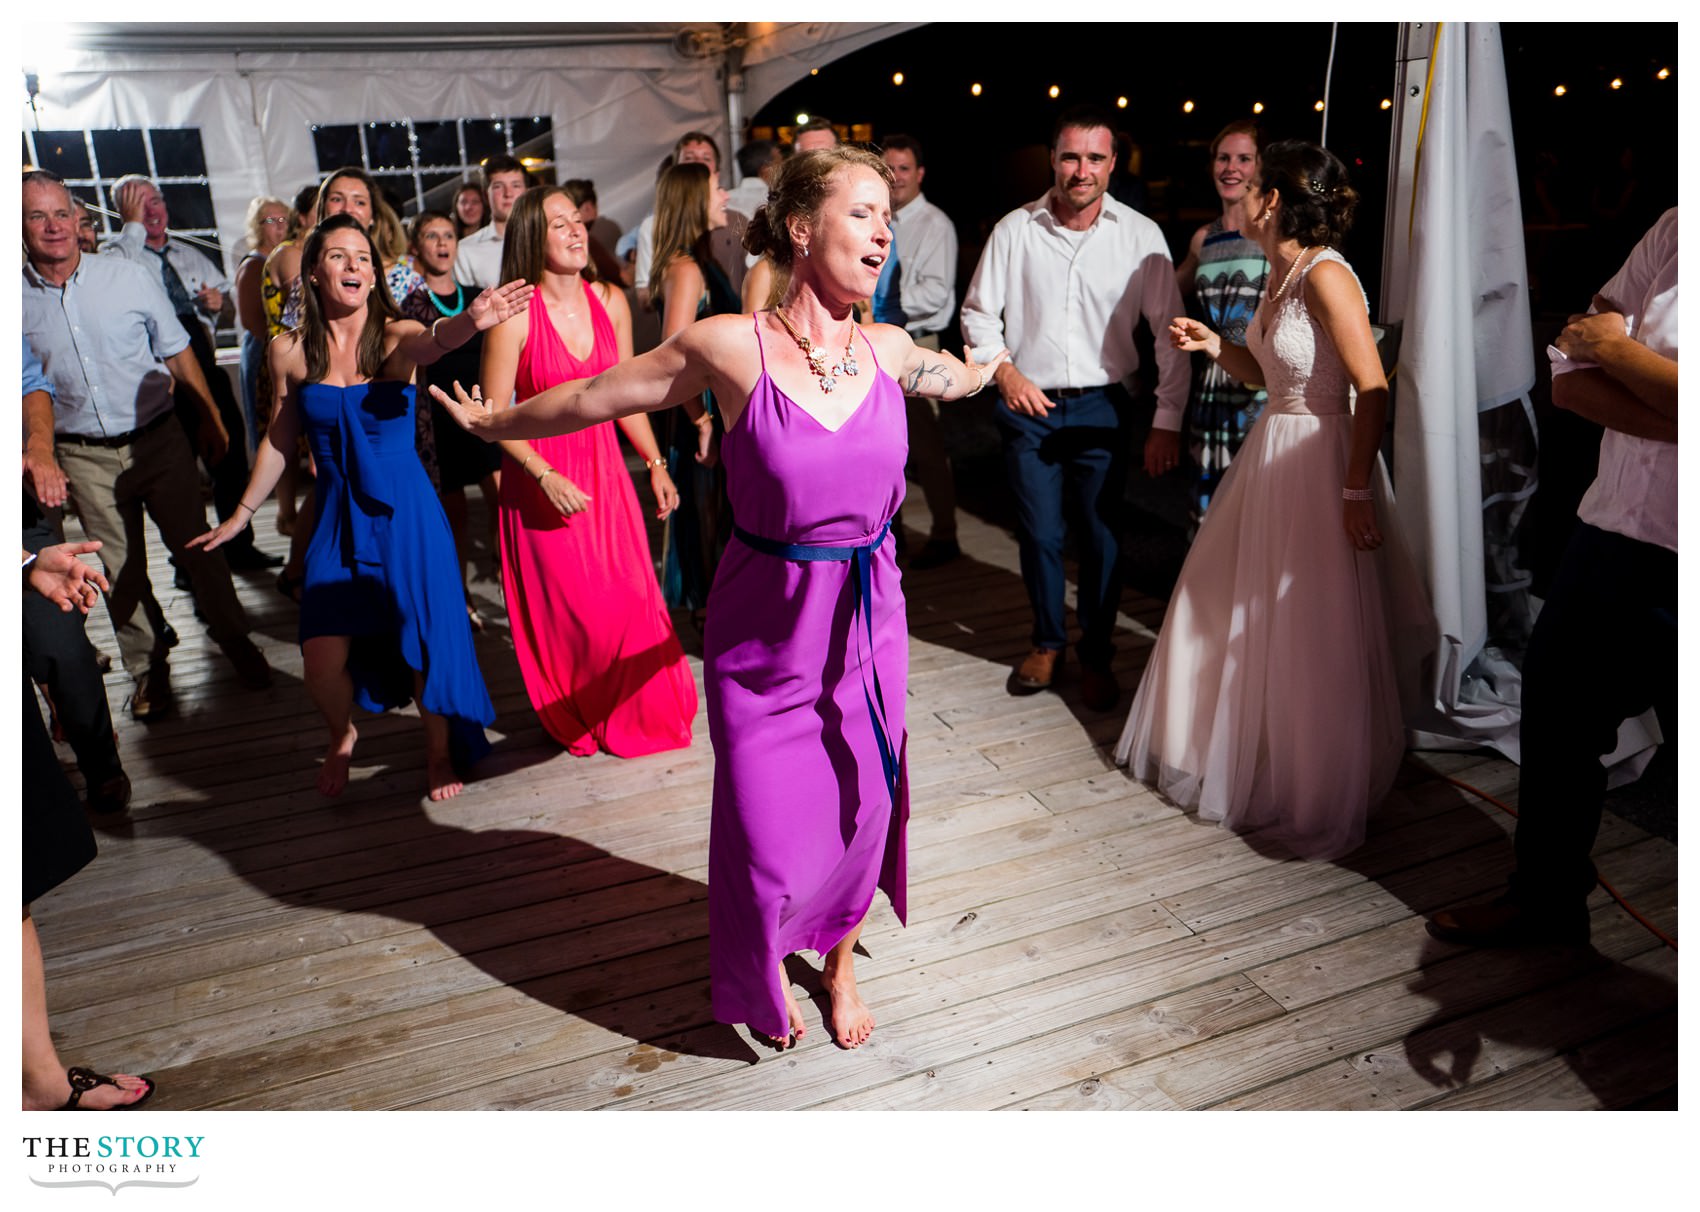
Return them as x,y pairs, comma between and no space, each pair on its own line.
799,191
1317,201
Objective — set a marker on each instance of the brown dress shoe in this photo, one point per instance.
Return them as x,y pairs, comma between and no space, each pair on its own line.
251,668
1036,672
1099,689
151,699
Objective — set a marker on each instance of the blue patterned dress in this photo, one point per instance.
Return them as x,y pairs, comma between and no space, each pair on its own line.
1231,276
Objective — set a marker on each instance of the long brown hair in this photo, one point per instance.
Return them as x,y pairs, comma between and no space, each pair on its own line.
528,232
683,196
380,308
388,238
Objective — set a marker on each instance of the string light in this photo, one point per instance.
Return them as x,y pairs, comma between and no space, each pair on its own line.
814,71
1317,107
1386,104
802,119
897,77
1617,82
1186,107
1257,107
1559,91
975,89
1121,102
1664,73
1055,92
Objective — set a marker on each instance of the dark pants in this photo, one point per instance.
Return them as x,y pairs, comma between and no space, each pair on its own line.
229,474
1070,466
1603,651
57,653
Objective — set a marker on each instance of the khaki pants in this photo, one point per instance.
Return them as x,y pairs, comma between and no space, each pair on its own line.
929,466
113,486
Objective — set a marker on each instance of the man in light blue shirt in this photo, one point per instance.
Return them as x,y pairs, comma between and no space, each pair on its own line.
110,344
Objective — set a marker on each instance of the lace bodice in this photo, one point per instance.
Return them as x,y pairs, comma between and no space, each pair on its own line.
1301,367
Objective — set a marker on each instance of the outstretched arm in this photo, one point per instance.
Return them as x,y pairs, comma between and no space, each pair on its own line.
423,346
939,375
672,373
1188,334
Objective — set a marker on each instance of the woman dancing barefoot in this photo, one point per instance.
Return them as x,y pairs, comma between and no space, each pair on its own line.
805,657
381,551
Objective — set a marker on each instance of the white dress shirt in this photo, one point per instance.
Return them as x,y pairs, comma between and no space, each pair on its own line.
749,197
1634,492
195,268
478,259
926,265
645,251
1065,303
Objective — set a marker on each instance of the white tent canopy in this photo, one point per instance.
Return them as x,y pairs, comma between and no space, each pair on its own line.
616,94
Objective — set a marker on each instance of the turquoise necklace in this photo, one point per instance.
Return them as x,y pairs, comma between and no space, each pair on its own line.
460,300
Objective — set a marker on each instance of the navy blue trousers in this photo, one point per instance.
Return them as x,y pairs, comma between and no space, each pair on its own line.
1070,466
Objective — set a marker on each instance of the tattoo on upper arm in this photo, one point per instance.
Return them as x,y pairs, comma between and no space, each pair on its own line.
935,375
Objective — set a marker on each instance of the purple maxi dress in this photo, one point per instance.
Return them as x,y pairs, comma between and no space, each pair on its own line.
806,820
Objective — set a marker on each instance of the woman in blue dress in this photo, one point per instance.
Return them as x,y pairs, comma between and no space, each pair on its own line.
381,617
1224,273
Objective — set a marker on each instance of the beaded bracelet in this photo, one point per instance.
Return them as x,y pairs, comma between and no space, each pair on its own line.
1356,494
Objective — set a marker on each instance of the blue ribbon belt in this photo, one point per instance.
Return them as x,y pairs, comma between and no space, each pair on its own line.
862,602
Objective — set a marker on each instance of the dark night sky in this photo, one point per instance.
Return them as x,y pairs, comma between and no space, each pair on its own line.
985,154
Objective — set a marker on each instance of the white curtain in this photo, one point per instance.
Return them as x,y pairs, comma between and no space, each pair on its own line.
1464,440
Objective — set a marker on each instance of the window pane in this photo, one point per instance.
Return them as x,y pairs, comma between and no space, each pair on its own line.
336,147
119,152
62,151
534,137
397,188
438,143
484,138
387,145
190,205
176,153
440,190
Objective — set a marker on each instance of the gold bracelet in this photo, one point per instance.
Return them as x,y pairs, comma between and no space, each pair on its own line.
656,462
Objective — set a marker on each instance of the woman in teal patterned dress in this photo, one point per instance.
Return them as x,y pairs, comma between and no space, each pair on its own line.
1224,272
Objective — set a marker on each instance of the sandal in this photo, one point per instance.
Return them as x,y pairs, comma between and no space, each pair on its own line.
289,584
83,1080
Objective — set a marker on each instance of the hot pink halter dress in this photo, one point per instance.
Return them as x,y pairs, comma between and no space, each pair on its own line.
601,664
806,671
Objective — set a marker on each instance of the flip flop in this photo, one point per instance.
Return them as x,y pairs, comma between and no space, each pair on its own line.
83,1080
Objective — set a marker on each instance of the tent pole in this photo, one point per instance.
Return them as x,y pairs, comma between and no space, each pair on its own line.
732,85
1410,79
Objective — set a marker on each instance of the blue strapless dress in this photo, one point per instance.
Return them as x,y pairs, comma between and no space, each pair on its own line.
381,565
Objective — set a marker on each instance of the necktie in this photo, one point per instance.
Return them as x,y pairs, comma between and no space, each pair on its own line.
180,300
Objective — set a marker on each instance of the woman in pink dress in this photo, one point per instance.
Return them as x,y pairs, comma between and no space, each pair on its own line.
806,649
1273,700
601,664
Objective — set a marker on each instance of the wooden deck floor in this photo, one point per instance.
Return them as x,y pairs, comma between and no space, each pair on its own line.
1074,941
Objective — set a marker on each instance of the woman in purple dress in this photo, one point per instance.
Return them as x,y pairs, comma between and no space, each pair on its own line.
805,649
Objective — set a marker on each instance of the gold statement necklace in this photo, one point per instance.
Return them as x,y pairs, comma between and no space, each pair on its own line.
826,376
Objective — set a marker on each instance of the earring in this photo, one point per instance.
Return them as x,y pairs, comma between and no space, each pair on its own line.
805,251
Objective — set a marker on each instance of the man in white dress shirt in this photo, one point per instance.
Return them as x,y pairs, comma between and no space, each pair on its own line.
1062,283
1604,645
926,275
758,161
478,259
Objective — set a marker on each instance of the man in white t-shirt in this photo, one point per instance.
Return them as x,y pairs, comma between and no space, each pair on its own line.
478,260
1604,645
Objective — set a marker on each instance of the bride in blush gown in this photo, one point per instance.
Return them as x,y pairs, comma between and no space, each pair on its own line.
1274,699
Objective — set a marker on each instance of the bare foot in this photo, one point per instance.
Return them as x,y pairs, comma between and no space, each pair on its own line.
440,774
333,771
130,1089
793,1015
851,1021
